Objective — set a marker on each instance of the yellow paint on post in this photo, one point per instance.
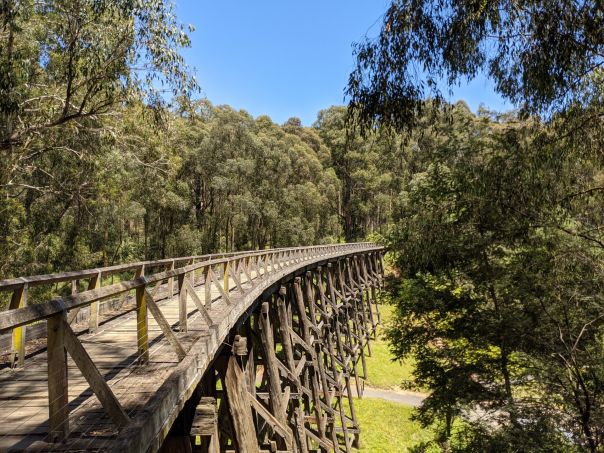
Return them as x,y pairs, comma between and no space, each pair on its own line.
19,300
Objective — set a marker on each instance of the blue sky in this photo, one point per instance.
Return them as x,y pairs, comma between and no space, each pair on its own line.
285,58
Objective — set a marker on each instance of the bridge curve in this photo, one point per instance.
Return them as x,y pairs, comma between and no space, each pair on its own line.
251,351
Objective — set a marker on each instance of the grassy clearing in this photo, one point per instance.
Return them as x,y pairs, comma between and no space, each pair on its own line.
383,372
387,427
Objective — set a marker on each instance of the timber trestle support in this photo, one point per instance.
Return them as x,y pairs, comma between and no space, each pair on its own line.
256,352
286,378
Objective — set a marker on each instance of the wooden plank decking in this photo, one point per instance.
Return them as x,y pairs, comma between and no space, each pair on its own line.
113,349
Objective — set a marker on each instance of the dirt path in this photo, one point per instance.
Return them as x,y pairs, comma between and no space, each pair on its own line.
396,396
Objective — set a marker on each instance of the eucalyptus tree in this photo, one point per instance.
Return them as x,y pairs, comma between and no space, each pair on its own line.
365,170
501,296
540,55
67,69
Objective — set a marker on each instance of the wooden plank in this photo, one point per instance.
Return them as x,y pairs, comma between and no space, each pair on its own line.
94,378
205,418
58,411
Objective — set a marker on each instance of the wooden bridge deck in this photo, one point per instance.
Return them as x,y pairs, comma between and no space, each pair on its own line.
151,395
113,349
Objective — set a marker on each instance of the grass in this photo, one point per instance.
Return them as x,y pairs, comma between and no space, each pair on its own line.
383,372
387,427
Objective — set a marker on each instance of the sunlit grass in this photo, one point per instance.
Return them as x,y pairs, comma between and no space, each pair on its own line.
387,427
383,372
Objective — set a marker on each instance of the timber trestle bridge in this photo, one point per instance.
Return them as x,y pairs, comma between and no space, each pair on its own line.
259,351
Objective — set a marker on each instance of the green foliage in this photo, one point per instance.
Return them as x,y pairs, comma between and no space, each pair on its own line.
366,172
498,240
204,179
540,55
67,69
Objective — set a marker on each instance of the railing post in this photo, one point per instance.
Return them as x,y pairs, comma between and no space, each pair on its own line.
225,277
139,272
208,287
182,303
192,274
142,325
58,411
171,281
93,319
18,300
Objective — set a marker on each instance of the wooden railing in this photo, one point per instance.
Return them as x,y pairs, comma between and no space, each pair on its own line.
20,286
227,274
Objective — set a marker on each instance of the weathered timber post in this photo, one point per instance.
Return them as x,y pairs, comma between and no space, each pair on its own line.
319,345
182,302
270,360
332,324
170,267
345,357
192,274
284,328
93,319
346,308
58,411
207,286
240,408
142,326
312,380
225,276
18,300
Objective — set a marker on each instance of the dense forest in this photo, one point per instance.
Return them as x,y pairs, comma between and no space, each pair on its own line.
130,186
102,167
494,221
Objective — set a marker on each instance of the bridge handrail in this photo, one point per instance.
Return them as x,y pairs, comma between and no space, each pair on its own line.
59,277
13,318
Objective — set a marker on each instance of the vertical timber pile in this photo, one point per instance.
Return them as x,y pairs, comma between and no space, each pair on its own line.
285,380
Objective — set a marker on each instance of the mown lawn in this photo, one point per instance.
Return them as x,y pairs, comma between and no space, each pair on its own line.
383,372
387,427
